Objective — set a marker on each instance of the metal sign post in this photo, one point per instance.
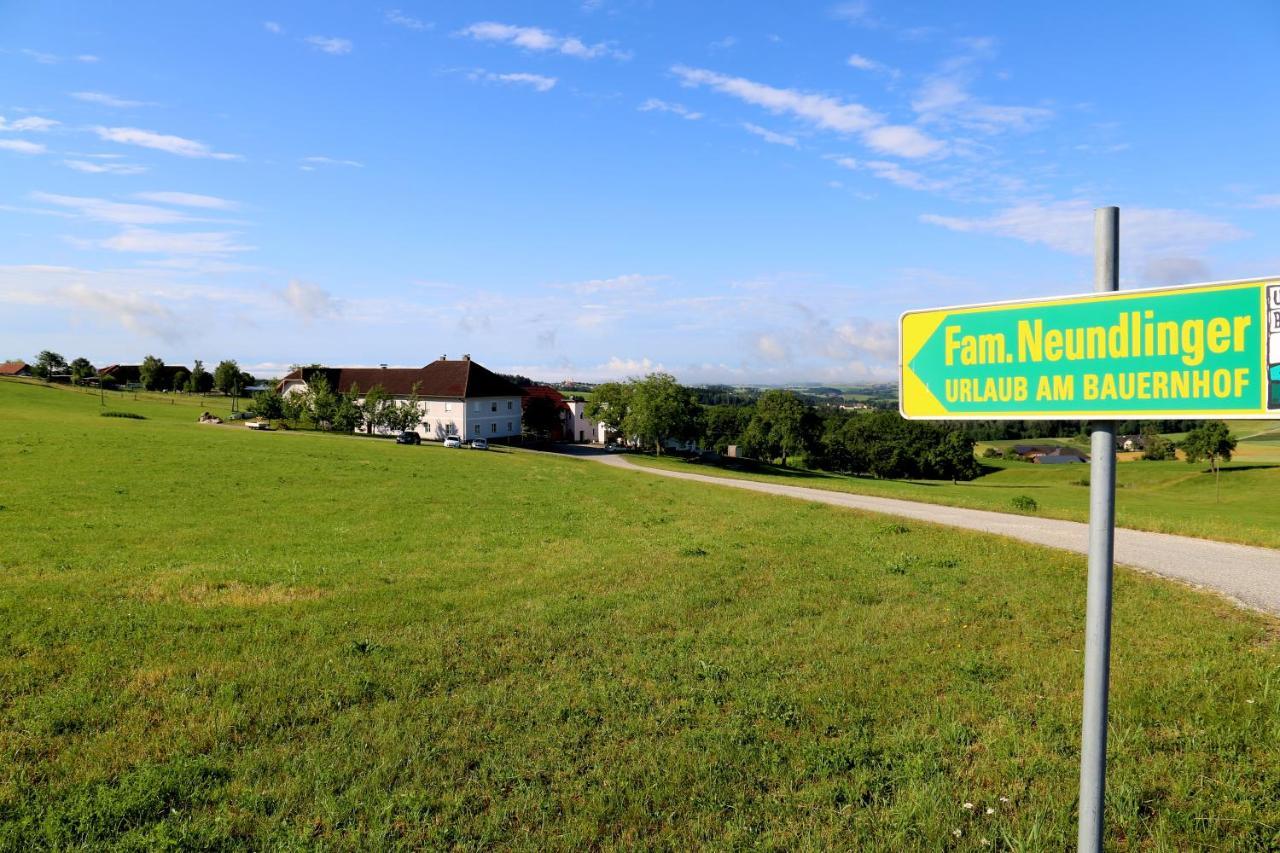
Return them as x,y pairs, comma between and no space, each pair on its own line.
1102,530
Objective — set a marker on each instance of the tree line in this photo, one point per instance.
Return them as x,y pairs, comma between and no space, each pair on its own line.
325,408
226,378
781,426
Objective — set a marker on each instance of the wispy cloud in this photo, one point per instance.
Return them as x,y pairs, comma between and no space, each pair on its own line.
724,43
204,202
400,19
893,173
309,301
161,142
631,284
273,27
107,100
822,111
1265,201
659,105
1067,226
21,146
330,44
540,40
310,163
29,123
538,82
120,213
864,63
769,135
148,241
44,58
945,98
107,168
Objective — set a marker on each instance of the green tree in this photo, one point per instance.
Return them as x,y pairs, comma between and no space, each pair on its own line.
539,418
200,381
151,374
347,413
782,425
953,454
1211,440
269,405
374,409
320,402
609,405
723,425
180,378
659,409
48,363
227,379
403,415
81,369
1155,447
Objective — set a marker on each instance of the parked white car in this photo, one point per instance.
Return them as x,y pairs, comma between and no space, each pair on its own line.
452,441
480,444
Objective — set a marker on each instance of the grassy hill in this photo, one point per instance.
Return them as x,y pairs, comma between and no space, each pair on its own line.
211,637
1167,497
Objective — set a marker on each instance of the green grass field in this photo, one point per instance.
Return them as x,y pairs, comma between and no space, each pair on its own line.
1167,497
214,638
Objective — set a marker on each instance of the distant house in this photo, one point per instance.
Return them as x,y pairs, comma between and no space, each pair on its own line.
131,374
1049,454
456,397
574,425
15,368
1131,442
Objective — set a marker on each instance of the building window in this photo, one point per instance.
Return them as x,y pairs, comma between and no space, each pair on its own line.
477,429
493,427
426,408
448,407
475,406
508,405
508,426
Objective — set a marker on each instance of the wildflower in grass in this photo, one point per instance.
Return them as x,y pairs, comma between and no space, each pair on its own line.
956,832
1004,799
990,810
1248,701
984,842
968,806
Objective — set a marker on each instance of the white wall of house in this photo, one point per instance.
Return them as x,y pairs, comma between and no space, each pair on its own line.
492,417
475,417
581,427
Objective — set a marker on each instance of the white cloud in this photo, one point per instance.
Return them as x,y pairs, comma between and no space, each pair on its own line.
86,57
101,210
660,105
540,40
310,301
944,98
1265,201
538,82
147,241
1067,226
104,168
865,63
771,348
107,100
769,135
724,43
41,57
854,12
21,146
329,44
631,284
208,202
622,368
893,173
822,111
400,19
35,123
309,163
272,27
161,142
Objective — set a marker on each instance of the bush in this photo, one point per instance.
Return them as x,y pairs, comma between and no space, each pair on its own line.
133,416
992,453
1024,503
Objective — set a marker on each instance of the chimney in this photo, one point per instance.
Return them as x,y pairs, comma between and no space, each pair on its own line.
466,356
444,356
383,366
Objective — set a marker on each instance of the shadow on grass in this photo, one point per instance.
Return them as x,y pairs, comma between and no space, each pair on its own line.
1232,469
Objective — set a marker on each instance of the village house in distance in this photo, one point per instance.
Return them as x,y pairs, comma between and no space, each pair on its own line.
456,397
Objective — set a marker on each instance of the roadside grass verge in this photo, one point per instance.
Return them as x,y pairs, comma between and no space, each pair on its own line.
211,637
1165,497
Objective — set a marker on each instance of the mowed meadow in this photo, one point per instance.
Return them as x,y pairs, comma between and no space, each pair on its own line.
215,638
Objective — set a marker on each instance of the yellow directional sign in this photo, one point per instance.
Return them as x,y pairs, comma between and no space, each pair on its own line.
1195,351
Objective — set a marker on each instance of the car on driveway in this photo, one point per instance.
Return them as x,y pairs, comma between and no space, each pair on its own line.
480,444
408,437
452,441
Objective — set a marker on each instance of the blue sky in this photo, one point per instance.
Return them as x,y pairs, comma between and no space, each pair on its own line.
731,192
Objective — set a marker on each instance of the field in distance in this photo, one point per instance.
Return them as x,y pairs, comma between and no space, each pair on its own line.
1166,497
211,637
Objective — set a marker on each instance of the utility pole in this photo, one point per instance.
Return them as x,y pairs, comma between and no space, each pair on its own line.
1102,530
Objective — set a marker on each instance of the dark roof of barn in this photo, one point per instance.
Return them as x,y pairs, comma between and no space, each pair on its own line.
13,368
441,378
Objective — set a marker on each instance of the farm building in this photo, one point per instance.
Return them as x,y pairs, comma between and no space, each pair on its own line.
15,368
131,374
456,397
1049,454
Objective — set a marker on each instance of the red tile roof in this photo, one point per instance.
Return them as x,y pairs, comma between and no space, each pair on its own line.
14,368
544,391
459,379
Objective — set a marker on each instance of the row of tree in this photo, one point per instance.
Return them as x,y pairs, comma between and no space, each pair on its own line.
326,408
781,426
226,378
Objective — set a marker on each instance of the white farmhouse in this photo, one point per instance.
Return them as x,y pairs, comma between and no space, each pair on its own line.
579,427
456,397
